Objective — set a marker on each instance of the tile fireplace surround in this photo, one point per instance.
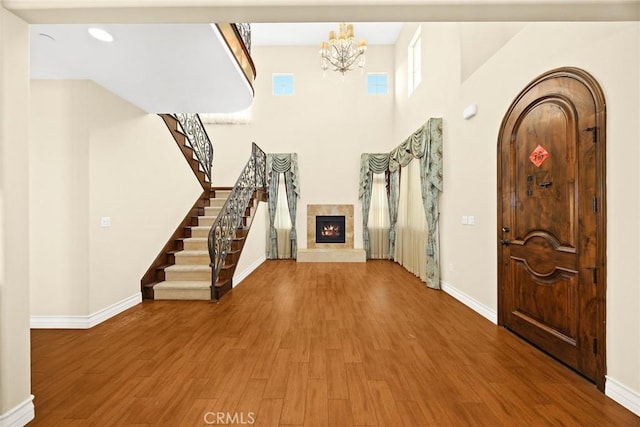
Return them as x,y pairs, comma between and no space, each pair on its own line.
330,252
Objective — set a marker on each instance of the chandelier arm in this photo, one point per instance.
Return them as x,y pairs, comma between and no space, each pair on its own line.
343,54
341,59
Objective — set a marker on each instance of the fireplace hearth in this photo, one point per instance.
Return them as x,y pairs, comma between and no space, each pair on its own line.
330,229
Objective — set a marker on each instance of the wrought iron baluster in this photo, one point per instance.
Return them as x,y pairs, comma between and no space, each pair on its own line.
198,140
244,29
229,220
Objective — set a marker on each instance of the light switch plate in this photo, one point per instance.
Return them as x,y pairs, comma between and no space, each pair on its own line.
105,221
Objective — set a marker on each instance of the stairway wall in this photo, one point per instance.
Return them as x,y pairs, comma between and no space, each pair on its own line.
95,155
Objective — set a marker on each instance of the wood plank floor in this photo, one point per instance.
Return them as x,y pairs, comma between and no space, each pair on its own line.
308,345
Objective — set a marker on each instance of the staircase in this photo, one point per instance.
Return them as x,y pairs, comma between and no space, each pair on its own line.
188,277
208,242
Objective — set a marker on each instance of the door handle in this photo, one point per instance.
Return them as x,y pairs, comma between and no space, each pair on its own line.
545,184
505,242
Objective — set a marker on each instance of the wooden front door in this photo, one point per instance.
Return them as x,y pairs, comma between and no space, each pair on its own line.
551,219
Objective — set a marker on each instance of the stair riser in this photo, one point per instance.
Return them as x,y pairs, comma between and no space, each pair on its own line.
205,221
187,275
223,289
212,211
222,194
195,245
192,260
237,245
195,232
176,294
217,202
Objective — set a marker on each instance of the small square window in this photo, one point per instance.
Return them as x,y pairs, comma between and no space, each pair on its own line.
377,84
283,84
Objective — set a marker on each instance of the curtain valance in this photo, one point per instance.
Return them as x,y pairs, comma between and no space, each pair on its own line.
286,163
412,147
371,163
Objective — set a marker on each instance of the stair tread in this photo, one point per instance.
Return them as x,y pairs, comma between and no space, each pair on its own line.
183,284
190,252
196,239
188,267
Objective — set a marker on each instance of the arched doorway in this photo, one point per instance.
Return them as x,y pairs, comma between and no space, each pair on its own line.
551,219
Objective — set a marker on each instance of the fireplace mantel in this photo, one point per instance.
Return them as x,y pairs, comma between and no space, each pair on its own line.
330,252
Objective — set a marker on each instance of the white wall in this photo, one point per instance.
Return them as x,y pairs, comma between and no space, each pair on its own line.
609,51
94,155
329,122
15,370
59,191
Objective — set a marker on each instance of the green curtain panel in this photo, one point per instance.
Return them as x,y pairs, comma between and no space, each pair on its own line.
394,203
287,164
425,144
431,177
273,180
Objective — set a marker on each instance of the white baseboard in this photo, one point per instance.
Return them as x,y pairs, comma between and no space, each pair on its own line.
20,415
85,322
239,277
476,306
622,394
617,391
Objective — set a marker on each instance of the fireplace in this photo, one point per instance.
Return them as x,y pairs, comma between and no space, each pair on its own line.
330,235
330,229
315,240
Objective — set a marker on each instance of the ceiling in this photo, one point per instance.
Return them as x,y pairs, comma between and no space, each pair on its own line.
158,67
185,67
312,33
171,67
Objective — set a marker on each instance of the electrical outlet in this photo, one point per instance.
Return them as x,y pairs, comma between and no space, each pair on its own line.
105,221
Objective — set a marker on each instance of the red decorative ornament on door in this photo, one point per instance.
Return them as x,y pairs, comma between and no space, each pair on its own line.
538,156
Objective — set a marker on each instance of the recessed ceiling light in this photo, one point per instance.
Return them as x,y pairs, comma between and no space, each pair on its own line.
100,34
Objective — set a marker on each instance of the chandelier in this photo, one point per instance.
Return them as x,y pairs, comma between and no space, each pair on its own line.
340,54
